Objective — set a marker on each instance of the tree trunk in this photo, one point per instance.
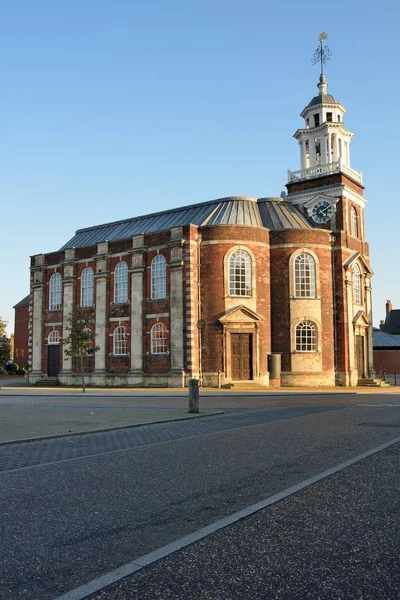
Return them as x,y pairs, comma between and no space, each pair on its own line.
83,375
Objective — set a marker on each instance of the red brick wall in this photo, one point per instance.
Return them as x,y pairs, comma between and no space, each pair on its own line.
21,320
213,291
388,360
280,290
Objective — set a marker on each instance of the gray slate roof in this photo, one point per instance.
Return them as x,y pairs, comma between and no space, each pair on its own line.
22,303
322,99
392,322
385,340
272,213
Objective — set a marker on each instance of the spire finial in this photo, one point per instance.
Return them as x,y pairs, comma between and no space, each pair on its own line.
322,53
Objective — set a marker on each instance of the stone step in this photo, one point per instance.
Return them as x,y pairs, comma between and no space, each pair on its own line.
372,383
49,382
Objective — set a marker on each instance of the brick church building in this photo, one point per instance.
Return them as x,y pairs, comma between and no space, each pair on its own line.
209,290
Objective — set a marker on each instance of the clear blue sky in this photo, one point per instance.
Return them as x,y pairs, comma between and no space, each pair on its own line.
111,109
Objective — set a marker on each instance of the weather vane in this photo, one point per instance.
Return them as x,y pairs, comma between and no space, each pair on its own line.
322,53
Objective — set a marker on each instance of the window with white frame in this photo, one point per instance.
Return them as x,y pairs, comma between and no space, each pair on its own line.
306,337
54,337
353,222
158,336
240,273
120,341
158,277
121,283
305,276
87,287
357,284
55,292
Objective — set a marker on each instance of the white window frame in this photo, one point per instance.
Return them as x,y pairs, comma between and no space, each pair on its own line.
240,266
357,285
54,337
55,291
120,341
158,277
158,339
305,276
121,283
87,287
353,222
306,336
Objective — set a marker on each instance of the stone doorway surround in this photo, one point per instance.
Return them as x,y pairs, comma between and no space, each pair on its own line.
361,326
240,319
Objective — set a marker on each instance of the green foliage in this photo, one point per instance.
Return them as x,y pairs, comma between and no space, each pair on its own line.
3,325
3,371
79,341
5,349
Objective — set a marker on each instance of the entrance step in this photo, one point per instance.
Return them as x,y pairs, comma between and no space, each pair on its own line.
245,385
372,383
49,382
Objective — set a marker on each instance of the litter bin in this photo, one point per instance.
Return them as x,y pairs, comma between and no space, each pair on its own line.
274,365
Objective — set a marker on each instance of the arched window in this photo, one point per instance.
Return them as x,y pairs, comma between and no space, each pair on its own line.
121,283
306,337
120,341
240,275
158,336
354,224
158,277
54,337
304,276
87,286
55,292
357,284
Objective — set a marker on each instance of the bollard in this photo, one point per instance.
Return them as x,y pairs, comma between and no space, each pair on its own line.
193,396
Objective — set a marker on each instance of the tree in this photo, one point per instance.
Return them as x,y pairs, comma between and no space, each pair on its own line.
5,346
5,350
3,325
79,342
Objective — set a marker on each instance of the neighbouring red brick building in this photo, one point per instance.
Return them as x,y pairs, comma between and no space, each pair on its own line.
210,290
21,334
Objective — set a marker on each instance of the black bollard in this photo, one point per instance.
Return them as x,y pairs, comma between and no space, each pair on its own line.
193,395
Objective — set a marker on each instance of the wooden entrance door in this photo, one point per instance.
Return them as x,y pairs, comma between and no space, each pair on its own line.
241,356
360,355
53,360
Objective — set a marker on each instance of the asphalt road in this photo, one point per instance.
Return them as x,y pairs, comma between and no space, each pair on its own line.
66,523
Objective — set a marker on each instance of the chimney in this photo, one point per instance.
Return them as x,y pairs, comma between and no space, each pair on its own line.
381,324
388,306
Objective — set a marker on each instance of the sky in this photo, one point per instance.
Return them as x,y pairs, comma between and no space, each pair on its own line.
111,109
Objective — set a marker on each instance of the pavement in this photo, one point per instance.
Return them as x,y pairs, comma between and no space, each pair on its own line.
80,507
336,540
30,413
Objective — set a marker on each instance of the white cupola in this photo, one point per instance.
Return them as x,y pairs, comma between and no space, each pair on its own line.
324,140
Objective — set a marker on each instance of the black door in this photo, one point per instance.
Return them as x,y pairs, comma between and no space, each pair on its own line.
53,360
241,356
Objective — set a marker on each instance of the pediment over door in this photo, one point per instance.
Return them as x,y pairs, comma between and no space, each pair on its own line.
239,314
361,319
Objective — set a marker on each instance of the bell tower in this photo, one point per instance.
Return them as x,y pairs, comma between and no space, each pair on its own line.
326,188
331,193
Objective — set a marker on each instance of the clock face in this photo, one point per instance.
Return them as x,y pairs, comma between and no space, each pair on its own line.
322,211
